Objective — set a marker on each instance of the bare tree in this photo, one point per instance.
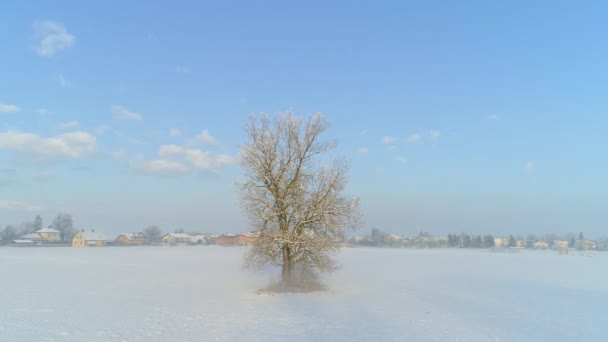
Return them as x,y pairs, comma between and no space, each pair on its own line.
294,197
152,233
64,224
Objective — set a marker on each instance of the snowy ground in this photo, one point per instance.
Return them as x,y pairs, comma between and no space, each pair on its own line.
201,294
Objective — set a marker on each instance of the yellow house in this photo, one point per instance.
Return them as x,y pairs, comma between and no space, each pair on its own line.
88,239
49,234
131,239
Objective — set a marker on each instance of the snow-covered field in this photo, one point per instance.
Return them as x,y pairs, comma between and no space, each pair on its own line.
201,294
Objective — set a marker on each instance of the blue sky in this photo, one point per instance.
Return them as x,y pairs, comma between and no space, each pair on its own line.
471,116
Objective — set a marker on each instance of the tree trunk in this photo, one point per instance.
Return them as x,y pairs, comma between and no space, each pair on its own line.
287,267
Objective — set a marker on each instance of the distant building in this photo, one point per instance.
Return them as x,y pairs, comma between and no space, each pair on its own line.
393,240
520,244
541,245
198,239
248,238
89,239
587,245
34,237
227,240
176,239
49,234
501,242
211,239
561,244
131,239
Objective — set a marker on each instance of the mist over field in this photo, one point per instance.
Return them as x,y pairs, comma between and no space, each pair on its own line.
380,294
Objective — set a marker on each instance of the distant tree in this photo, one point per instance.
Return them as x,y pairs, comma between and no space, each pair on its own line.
477,242
581,236
453,240
8,234
550,238
465,240
38,223
152,233
512,241
488,241
179,231
530,239
26,228
424,234
603,244
64,224
571,239
378,236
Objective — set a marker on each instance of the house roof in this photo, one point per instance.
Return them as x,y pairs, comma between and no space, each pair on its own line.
48,230
196,238
23,241
229,235
251,234
133,236
178,235
92,236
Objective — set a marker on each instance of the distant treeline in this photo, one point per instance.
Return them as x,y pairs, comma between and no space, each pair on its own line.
381,238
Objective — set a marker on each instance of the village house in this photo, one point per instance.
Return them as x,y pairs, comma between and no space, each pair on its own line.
394,240
89,239
198,239
176,239
501,242
33,237
131,239
227,240
248,238
561,244
211,239
49,234
587,245
541,245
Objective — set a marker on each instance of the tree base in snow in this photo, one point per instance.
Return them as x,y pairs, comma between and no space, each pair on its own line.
307,286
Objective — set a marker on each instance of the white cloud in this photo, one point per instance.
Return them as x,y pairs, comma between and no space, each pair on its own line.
175,132
170,151
493,117
363,132
434,135
414,138
204,160
401,159
206,138
62,81
73,145
161,167
68,125
388,140
11,205
123,114
51,37
530,165
363,151
180,69
8,108
198,159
